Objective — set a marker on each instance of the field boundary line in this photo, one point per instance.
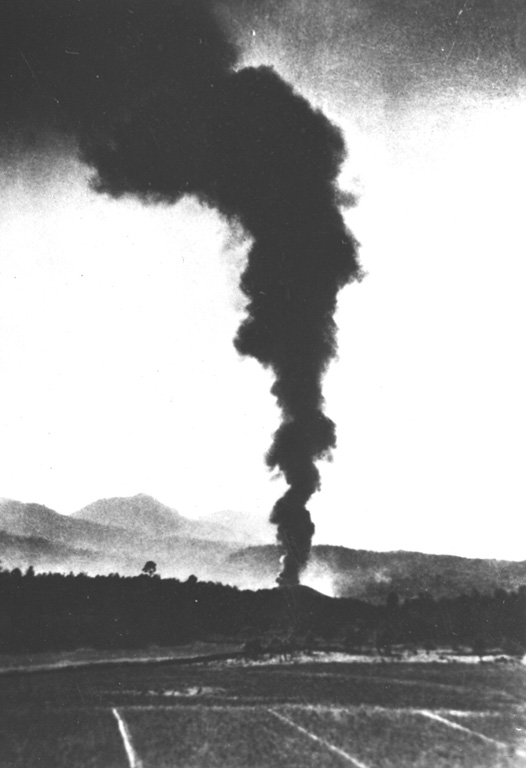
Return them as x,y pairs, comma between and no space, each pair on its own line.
354,708
234,703
133,758
141,661
458,727
313,736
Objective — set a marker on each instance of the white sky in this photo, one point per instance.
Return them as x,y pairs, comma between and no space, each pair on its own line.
119,375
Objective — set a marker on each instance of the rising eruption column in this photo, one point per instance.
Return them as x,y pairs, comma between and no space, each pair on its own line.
150,94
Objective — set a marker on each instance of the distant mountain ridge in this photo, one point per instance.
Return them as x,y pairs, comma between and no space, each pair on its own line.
150,517
368,575
118,535
135,513
36,520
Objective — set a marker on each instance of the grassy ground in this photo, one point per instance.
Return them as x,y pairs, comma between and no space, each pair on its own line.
227,715
388,739
219,737
31,737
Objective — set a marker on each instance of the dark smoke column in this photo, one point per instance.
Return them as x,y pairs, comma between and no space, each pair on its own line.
148,92
279,162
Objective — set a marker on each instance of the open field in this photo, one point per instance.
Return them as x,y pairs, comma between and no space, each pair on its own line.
236,715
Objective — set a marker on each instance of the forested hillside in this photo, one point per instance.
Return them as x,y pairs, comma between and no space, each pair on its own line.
56,612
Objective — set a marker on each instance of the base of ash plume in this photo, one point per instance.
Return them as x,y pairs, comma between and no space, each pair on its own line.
294,606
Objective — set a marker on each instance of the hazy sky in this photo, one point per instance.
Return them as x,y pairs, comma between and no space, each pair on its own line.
116,319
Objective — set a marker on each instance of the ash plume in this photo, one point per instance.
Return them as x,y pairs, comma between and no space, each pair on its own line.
149,92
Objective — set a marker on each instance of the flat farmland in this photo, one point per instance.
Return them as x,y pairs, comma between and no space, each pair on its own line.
234,714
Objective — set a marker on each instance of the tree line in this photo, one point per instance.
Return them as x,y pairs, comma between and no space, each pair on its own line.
51,612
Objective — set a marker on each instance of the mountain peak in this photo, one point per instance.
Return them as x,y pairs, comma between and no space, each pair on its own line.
140,512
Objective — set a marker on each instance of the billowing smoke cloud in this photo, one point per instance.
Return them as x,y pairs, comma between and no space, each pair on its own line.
149,92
